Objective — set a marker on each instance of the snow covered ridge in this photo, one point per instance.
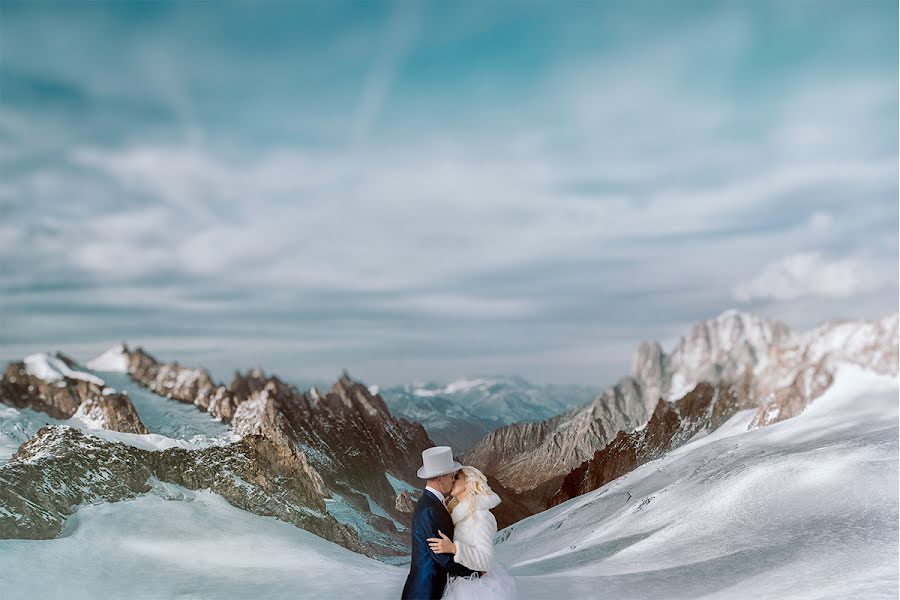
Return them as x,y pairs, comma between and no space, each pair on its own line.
785,371
54,385
114,360
60,468
805,508
53,368
341,437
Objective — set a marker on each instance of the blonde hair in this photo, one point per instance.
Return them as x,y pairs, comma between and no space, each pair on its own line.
476,482
476,485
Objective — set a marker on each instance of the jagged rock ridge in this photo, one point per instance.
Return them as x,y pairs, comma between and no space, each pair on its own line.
53,385
347,433
786,371
346,437
672,424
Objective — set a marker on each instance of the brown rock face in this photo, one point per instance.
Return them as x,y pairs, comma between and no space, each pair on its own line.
789,401
185,384
348,434
706,407
404,502
60,468
67,397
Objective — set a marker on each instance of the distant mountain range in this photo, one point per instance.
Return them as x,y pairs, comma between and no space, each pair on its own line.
461,413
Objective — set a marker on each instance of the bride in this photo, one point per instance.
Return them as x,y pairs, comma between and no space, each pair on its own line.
473,541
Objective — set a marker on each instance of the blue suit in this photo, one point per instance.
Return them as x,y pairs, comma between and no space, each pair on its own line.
428,571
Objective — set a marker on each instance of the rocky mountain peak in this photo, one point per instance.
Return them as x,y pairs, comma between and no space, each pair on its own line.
55,385
781,371
348,394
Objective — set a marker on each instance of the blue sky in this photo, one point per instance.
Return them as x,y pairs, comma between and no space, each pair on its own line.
423,190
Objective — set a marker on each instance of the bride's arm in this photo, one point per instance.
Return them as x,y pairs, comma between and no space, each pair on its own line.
478,555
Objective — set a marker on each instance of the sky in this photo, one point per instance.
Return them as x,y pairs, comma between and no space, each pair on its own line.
429,190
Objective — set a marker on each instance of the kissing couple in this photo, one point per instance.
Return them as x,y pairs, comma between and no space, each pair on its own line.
453,535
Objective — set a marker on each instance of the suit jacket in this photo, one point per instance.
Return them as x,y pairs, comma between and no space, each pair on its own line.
428,571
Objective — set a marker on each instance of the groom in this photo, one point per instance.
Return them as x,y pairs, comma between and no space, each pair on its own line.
428,571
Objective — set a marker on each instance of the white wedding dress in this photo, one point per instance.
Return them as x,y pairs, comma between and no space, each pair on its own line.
474,530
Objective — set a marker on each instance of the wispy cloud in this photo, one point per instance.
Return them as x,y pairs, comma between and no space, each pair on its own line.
399,34
811,274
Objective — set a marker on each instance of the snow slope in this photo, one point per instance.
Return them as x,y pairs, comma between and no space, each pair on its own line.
175,543
50,368
807,508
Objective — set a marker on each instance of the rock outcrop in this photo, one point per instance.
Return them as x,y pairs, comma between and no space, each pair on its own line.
61,467
404,502
348,433
53,385
802,368
672,424
185,384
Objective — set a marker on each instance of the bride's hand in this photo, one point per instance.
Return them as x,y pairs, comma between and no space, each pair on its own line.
442,545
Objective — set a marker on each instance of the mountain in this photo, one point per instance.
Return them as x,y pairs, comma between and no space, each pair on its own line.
805,508
61,468
349,436
171,380
461,413
354,456
672,424
54,385
783,371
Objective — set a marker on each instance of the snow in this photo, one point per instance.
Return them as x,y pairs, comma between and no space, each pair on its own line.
15,429
169,418
114,360
172,424
155,441
49,368
464,385
178,543
680,387
806,508
399,485
345,513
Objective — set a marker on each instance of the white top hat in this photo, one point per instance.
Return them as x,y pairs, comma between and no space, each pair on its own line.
437,461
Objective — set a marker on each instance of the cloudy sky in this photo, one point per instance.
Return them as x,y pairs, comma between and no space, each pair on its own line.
429,190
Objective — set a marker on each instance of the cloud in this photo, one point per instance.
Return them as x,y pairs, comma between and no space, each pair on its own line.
511,189
810,274
456,306
398,37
